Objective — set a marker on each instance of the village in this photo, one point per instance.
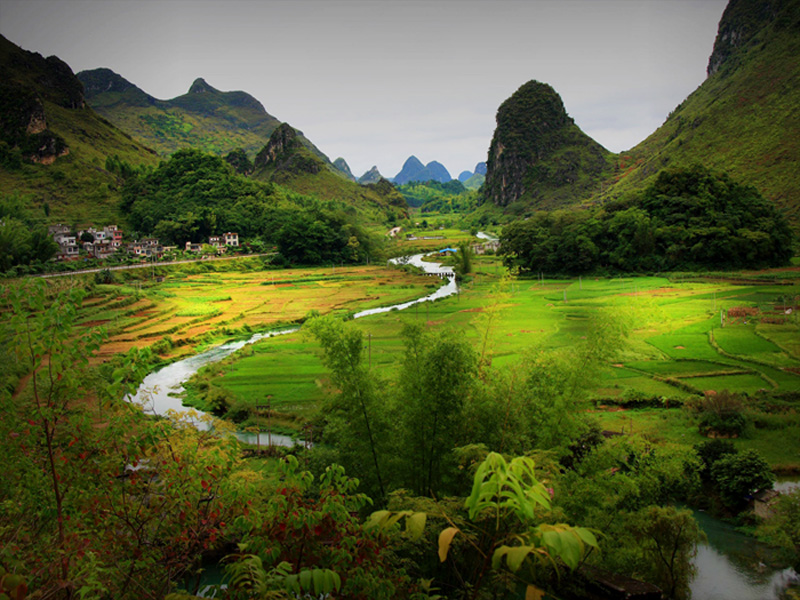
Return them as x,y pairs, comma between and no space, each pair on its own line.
106,242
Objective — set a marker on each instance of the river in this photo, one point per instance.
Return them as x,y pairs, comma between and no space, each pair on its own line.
159,392
733,566
729,566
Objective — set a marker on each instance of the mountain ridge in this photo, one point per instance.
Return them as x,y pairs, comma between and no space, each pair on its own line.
204,117
53,146
743,118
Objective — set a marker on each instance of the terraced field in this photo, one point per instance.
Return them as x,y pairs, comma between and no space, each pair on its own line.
187,310
676,347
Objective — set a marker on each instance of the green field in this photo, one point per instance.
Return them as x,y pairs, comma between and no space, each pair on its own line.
675,348
681,341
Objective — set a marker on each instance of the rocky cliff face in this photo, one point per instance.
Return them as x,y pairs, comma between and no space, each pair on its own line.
538,155
27,82
741,24
284,152
371,176
341,165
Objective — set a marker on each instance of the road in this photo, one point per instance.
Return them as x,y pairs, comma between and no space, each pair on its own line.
151,265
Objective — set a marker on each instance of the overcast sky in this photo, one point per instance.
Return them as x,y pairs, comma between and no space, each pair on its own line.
375,81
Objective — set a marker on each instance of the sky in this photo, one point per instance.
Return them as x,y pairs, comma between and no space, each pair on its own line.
375,81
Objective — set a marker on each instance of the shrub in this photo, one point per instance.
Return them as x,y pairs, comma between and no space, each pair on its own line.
739,475
721,414
710,452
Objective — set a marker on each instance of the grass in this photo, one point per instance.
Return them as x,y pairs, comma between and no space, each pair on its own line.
669,353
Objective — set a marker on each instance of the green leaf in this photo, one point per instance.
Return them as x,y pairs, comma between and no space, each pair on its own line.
514,555
415,525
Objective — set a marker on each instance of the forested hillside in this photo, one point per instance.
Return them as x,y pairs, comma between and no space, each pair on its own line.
744,118
194,195
687,219
286,161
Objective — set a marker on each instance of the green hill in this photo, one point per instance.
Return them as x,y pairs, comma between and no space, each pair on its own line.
53,147
744,118
284,160
539,158
204,118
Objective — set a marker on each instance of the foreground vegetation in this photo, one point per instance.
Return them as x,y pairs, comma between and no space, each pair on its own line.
412,403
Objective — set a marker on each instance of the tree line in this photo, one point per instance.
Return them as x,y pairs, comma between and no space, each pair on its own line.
687,219
194,195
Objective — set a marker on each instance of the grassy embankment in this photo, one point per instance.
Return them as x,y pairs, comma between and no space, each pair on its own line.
676,350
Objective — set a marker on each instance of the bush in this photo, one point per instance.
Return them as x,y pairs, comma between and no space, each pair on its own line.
104,276
721,415
739,475
710,452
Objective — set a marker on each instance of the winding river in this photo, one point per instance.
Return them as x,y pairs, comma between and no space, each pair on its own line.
159,391
728,566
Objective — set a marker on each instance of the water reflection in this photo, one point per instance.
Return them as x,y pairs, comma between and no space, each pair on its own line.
733,566
720,578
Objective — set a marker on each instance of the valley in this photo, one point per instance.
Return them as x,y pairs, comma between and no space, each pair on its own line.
223,375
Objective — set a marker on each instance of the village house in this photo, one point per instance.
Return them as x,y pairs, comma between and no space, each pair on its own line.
192,247
67,242
53,230
484,247
231,239
114,235
67,246
146,248
100,249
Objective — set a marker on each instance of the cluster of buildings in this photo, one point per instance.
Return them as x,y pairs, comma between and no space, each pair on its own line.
102,243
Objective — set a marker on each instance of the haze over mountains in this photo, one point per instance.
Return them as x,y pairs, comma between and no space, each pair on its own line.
743,119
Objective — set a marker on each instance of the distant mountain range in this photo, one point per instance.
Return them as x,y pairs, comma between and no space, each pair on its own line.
204,118
414,170
474,180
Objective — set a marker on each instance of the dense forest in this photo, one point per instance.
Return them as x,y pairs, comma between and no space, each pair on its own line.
194,195
687,219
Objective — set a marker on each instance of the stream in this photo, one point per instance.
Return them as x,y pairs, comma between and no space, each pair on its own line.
734,566
159,392
729,566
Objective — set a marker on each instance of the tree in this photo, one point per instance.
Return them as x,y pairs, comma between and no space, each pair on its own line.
669,540
305,535
436,380
342,354
782,529
98,501
739,475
